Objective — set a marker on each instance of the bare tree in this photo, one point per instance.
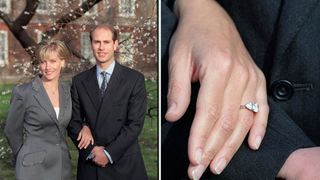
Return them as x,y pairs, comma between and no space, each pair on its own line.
16,26
69,19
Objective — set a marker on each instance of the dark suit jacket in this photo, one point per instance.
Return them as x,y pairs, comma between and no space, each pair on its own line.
115,122
283,37
36,135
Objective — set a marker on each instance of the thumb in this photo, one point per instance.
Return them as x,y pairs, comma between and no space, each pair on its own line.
79,136
179,88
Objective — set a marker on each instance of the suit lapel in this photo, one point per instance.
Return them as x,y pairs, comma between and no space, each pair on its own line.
63,100
43,99
293,16
92,87
114,82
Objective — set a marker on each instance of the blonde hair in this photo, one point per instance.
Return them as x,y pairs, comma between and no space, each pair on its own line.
51,46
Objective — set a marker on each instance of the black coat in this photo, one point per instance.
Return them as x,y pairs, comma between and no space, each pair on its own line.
283,37
115,121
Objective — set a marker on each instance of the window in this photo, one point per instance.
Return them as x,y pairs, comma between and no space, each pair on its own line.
3,48
86,51
127,8
5,5
45,5
92,11
66,3
126,48
38,35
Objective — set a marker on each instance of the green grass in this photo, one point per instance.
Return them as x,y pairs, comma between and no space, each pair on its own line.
148,139
6,167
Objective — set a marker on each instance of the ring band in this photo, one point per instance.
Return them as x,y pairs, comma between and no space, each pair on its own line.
251,106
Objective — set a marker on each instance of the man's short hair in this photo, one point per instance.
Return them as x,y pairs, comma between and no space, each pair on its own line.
107,27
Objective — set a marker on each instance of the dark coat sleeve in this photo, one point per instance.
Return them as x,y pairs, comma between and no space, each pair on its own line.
134,123
76,122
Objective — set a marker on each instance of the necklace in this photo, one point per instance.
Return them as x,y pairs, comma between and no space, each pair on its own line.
51,90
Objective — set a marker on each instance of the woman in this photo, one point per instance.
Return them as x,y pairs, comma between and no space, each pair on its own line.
38,116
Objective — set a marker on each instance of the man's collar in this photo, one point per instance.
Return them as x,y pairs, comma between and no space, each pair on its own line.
109,70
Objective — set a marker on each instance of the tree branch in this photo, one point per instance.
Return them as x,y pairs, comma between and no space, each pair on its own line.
69,17
5,18
20,34
26,15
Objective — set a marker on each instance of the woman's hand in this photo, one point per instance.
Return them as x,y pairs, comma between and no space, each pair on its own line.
207,47
85,137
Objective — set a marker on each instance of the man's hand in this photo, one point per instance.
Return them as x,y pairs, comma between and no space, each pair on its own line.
85,137
302,164
207,47
99,157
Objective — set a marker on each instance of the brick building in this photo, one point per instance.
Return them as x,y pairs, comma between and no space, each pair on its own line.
136,21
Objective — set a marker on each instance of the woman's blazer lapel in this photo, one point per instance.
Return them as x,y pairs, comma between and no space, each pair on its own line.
43,99
64,99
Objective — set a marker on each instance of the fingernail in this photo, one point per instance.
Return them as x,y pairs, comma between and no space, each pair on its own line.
257,142
198,155
220,165
197,172
172,107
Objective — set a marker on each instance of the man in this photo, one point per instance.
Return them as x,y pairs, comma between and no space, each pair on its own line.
113,106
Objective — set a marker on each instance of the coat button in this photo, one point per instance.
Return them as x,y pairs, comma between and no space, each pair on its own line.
282,90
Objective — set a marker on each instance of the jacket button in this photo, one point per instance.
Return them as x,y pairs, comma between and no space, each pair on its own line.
282,90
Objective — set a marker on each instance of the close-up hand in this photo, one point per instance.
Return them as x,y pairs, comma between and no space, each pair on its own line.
85,137
207,48
302,164
99,156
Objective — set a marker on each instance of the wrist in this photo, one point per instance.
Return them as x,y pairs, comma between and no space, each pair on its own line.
183,8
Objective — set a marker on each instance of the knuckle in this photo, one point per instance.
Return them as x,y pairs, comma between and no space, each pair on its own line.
266,108
208,156
227,124
232,148
247,121
225,54
261,78
175,86
253,75
222,63
242,73
212,111
225,67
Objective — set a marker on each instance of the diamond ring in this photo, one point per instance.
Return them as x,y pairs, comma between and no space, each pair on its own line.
254,107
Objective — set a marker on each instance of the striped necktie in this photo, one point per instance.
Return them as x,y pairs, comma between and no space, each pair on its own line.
104,83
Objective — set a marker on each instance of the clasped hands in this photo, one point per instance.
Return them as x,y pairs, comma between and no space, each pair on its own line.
98,156
207,47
